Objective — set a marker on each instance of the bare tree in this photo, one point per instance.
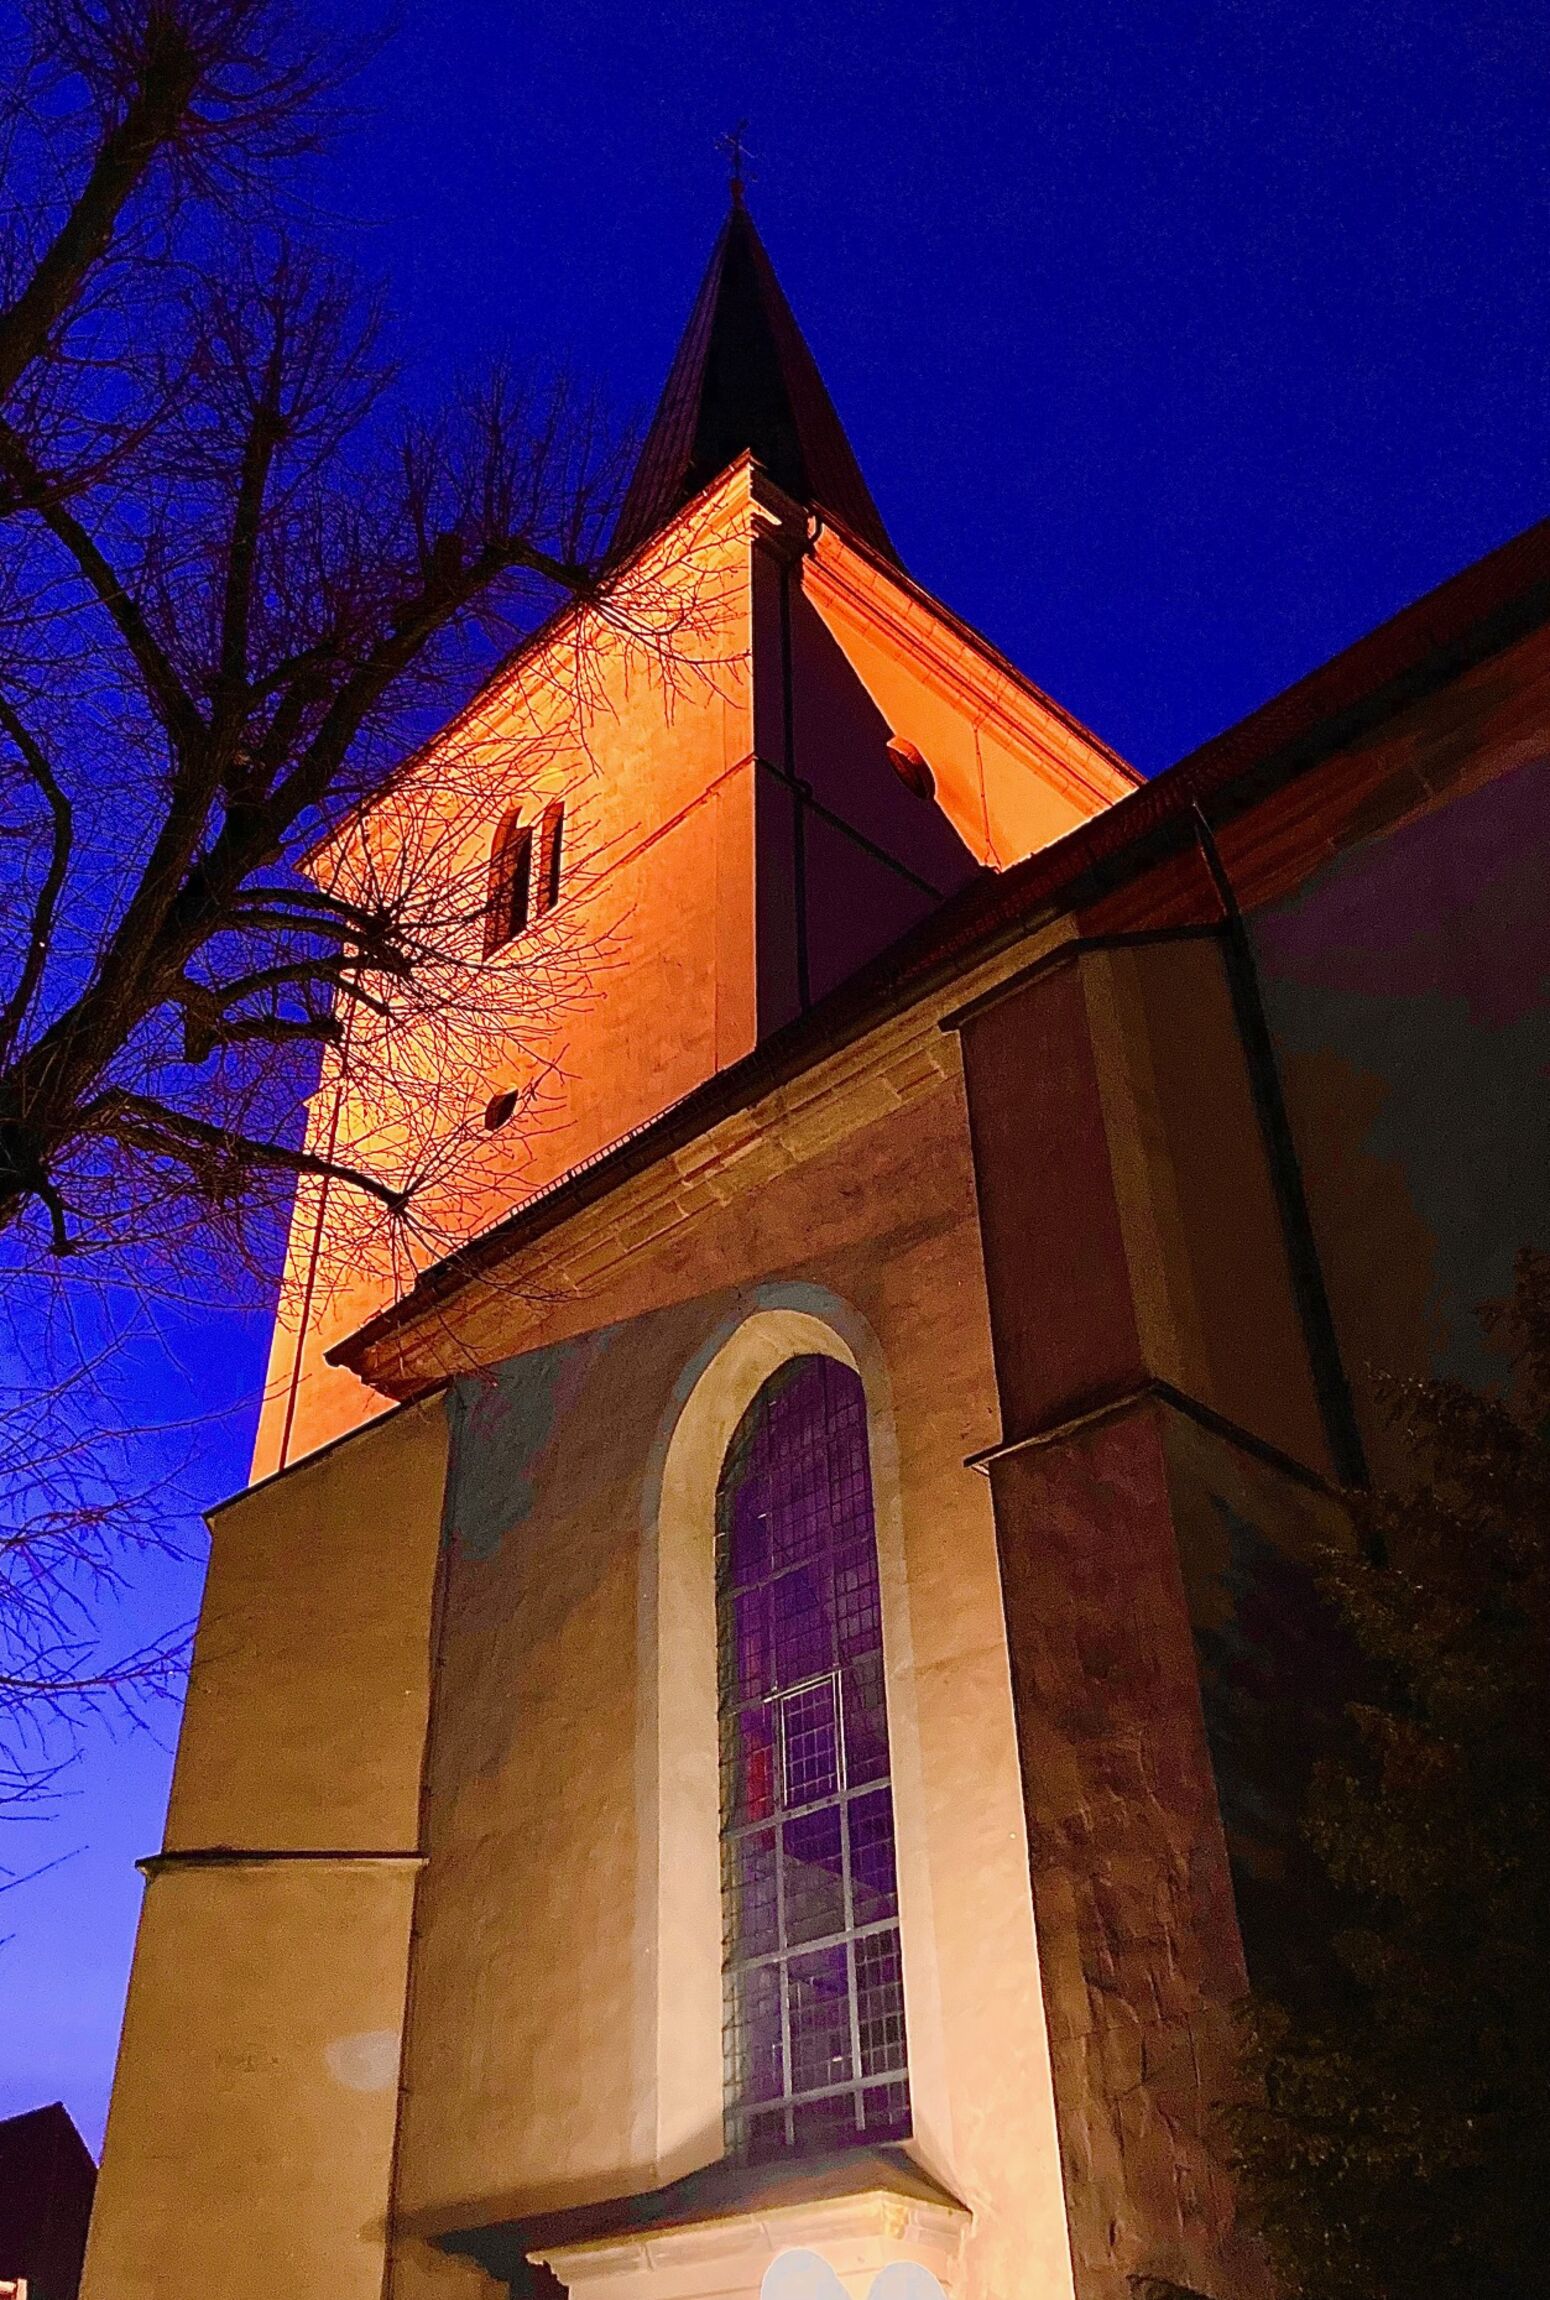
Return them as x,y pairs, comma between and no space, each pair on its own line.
230,582
88,1498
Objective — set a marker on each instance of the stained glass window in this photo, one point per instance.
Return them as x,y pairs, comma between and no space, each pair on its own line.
814,1994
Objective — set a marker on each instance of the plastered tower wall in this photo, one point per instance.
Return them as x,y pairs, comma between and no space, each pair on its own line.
656,926
249,2147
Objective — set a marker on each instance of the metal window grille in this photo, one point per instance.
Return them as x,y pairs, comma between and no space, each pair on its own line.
813,2033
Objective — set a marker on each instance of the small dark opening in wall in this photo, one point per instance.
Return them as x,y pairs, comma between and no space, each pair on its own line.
499,1108
549,858
910,766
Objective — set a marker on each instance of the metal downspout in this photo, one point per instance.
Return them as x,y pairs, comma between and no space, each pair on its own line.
1330,1381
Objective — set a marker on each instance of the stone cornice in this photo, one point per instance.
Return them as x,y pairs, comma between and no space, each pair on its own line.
960,664
726,2258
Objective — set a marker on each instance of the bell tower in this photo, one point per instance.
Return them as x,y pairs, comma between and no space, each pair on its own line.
704,847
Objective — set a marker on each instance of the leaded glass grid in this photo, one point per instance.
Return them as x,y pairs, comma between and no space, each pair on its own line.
814,2041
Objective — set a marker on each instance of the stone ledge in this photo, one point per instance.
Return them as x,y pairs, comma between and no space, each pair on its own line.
714,2234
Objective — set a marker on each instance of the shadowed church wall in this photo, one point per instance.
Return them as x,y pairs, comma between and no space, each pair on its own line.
1137,1277
1405,983
1013,771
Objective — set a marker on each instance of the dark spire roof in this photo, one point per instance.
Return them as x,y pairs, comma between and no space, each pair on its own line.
743,379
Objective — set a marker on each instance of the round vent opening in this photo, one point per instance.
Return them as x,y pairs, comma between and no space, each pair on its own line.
909,765
499,1108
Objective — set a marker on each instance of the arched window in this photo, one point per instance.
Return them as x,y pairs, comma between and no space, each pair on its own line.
814,1995
523,885
511,883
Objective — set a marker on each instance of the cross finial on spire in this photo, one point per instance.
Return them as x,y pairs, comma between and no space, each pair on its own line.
735,145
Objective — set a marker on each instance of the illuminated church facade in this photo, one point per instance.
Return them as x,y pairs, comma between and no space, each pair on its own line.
733,1746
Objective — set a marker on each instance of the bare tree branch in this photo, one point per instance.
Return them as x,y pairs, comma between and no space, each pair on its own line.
166,77
173,706
36,762
219,1156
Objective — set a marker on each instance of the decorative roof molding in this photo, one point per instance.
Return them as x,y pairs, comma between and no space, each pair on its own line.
961,664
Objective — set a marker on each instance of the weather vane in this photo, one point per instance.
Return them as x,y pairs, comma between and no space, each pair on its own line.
735,145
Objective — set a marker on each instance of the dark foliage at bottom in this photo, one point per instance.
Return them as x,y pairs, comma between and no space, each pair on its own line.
1401,2142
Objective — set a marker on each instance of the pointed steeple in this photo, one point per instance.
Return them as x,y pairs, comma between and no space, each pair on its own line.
744,380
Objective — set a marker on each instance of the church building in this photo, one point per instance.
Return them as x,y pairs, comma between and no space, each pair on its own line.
738,1739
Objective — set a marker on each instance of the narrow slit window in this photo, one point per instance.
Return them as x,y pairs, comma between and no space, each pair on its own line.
551,836
511,884
813,1977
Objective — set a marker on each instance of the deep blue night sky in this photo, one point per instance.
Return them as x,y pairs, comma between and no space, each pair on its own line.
1180,344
